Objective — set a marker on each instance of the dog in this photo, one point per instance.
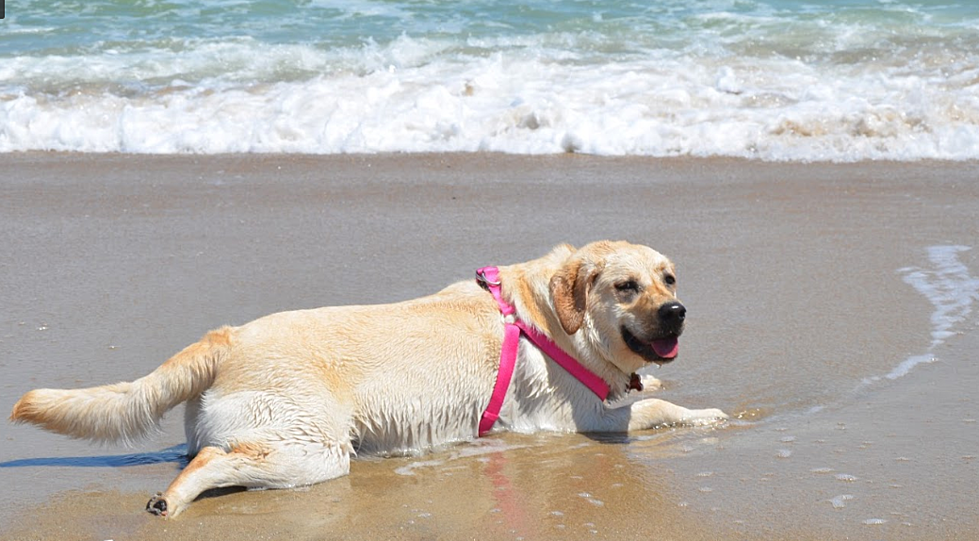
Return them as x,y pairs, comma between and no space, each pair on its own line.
285,400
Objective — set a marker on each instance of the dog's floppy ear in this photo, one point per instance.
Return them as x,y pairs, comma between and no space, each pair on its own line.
569,290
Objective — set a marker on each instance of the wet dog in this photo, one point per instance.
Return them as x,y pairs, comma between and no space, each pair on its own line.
285,400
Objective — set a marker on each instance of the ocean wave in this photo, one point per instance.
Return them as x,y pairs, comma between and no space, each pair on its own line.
890,83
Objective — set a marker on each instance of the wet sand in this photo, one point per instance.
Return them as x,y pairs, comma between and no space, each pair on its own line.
853,391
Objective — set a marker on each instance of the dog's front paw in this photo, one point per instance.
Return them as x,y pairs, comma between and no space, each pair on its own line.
158,505
704,417
649,383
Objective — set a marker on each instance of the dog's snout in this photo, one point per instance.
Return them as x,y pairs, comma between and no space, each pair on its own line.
672,313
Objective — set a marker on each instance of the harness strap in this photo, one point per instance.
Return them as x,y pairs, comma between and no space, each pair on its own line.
490,277
591,380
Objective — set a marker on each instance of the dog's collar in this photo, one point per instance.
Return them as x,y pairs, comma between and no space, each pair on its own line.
489,277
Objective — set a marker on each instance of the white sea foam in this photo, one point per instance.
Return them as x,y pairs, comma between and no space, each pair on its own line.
409,469
951,289
479,449
948,286
419,95
773,79
908,364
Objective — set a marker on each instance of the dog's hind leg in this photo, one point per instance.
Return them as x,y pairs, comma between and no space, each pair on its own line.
253,465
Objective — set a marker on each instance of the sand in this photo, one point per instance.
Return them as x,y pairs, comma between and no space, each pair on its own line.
798,279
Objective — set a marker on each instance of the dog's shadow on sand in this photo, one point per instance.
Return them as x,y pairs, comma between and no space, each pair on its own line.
176,455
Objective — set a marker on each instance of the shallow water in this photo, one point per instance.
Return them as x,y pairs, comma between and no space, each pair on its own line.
831,311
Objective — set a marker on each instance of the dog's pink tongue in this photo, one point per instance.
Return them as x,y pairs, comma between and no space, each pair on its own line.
666,348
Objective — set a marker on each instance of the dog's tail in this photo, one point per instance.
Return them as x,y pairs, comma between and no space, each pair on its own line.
126,411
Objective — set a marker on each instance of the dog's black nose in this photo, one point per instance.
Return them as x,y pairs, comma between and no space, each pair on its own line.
672,313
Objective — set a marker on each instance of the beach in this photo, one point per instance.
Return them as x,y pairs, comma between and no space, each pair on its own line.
831,313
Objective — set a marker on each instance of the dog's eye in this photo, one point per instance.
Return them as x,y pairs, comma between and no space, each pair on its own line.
669,279
627,286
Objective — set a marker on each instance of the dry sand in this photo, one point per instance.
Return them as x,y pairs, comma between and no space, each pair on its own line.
795,277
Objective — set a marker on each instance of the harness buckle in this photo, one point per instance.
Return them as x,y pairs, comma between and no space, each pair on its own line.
481,278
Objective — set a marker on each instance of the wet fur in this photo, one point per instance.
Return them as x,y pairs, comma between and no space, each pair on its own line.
286,400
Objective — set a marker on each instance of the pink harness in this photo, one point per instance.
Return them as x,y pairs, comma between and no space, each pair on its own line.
490,278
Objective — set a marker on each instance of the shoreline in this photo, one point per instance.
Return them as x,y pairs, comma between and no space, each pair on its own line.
791,272
67,155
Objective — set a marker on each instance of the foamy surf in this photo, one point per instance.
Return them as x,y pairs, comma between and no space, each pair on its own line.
769,80
951,290
480,449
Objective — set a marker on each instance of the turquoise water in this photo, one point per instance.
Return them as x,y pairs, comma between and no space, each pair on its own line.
778,80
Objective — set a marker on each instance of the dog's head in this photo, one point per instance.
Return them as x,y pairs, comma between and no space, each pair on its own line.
625,296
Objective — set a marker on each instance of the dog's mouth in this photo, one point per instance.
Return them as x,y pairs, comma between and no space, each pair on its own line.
659,351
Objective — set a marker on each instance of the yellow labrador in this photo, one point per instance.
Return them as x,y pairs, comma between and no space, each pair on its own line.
285,400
